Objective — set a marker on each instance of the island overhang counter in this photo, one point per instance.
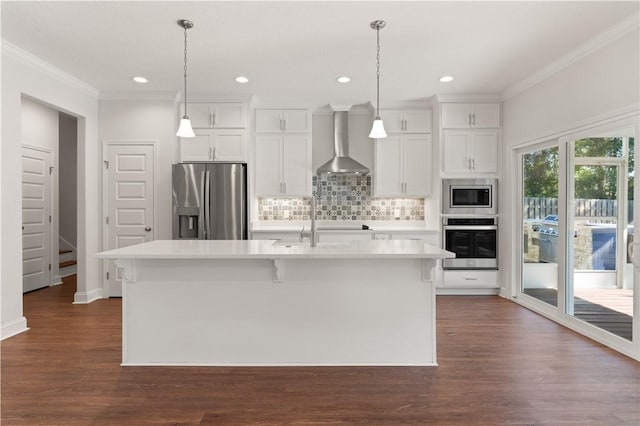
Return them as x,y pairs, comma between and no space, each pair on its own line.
261,302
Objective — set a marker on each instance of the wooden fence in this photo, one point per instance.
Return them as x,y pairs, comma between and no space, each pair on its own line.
538,208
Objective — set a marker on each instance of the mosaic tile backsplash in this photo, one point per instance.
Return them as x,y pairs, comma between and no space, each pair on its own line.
341,197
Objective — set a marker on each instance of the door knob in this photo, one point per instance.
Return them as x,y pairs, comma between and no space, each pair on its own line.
147,228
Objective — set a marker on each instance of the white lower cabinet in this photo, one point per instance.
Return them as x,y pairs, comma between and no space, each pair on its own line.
471,279
214,145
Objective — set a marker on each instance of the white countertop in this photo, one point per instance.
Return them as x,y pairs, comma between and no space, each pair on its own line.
343,226
266,249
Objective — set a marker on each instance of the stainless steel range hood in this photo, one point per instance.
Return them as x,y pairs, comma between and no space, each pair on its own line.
341,163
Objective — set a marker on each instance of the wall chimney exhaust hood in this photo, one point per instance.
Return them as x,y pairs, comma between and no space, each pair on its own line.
341,163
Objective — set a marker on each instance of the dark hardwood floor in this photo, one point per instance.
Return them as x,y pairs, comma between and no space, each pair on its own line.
499,364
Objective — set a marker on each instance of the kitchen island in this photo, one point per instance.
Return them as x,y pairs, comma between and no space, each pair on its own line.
263,302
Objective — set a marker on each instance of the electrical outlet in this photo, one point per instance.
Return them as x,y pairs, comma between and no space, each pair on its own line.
286,214
397,213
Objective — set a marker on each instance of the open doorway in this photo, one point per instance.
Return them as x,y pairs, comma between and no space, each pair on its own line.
49,195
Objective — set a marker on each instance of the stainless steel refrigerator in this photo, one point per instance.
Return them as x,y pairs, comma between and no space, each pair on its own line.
210,201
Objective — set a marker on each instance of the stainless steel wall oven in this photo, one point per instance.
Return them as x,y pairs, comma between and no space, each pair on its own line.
474,240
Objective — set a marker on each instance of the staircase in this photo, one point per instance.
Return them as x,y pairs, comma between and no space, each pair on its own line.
67,263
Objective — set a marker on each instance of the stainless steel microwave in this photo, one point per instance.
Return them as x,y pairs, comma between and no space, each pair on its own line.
470,196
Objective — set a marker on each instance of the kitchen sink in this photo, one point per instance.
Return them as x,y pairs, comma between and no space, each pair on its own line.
306,244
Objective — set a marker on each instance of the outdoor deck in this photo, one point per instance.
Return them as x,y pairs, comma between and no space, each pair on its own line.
608,309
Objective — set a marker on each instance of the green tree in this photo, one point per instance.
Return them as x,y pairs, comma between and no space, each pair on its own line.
541,173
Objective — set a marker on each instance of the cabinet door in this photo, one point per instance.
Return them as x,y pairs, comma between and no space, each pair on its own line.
269,121
455,158
297,165
486,116
200,114
229,115
392,119
268,165
456,116
296,121
417,165
417,121
483,151
388,172
197,148
229,145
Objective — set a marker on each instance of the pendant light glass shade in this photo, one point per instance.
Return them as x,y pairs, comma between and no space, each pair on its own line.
377,129
185,130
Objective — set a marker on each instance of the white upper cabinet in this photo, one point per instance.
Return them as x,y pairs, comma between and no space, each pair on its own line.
471,115
406,121
214,145
283,121
283,165
216,115
470,152
403,166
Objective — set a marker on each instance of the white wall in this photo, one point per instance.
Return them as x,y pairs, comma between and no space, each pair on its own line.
602,85
68,179
123,120
23,74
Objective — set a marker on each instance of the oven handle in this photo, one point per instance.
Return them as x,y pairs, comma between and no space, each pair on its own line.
470,227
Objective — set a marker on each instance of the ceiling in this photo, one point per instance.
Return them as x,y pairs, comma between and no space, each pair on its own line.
296,50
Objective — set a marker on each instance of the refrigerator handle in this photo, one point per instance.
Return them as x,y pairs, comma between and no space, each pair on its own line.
201,232
206,204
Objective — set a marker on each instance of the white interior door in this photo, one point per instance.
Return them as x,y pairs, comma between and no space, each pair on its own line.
36,218
130,200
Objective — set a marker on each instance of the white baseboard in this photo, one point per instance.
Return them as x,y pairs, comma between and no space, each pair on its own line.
14,327
84,297
57,280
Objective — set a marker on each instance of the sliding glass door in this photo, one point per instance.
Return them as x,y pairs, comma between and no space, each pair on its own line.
600,226
577,200
540,224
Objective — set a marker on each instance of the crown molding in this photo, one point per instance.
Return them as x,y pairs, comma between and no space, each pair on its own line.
157,95
35,62
217,97
478,97
610,35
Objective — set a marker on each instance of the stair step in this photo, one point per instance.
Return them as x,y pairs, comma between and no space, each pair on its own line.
67,263
62,251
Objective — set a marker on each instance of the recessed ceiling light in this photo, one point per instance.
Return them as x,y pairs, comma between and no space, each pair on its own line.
446,78
343,79
140,79
242,79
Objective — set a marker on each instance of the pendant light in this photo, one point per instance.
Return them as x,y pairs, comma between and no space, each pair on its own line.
377,130
185,130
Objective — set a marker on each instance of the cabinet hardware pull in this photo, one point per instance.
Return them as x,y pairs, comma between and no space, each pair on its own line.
469,119
213,153
214,119
473,162
284,127
210,119
284,185
210,153
474,119
470,279
469,163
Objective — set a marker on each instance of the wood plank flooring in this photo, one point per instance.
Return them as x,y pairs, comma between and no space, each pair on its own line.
499,364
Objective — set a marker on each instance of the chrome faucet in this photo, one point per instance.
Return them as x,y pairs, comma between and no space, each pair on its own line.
312,232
